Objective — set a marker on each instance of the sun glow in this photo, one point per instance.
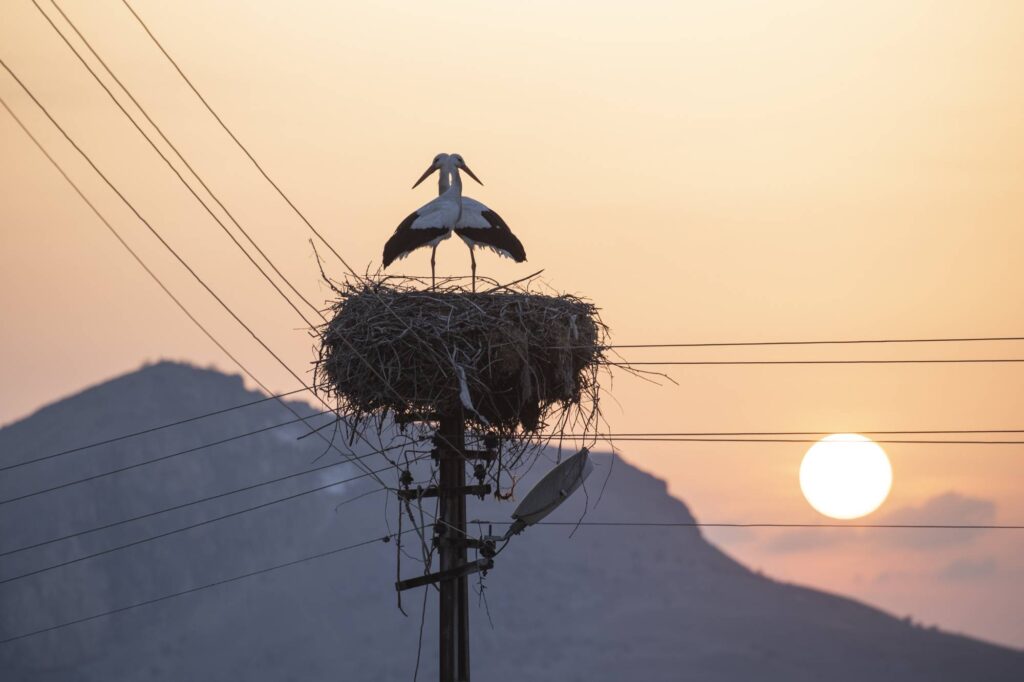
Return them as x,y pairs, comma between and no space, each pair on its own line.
845,476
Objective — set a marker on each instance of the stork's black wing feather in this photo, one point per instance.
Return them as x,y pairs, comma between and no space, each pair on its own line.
407,239
498,236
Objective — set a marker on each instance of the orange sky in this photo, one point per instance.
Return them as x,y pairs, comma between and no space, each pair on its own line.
703,171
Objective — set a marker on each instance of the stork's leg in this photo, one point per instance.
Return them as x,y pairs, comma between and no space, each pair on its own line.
472,259
433,260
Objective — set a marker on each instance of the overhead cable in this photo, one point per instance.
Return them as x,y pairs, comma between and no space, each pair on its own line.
238,142
206,586
152,429
189,527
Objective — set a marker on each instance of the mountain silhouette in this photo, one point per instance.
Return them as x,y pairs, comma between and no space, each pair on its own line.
600,603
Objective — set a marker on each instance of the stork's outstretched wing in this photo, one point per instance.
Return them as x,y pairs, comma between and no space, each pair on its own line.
412,234
483,227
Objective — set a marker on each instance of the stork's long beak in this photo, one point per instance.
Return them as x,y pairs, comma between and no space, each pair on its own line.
433,167
469,172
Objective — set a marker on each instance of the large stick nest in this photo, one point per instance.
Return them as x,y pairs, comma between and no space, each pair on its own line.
509,358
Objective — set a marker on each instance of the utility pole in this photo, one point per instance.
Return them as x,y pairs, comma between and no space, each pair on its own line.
453,543
454,630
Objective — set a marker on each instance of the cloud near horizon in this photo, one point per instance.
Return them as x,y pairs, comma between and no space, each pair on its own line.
968,569
948,508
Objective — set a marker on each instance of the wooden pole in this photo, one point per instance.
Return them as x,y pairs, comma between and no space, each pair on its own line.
453,543
454,593
462,602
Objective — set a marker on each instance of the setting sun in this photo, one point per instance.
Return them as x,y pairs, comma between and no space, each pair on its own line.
845,476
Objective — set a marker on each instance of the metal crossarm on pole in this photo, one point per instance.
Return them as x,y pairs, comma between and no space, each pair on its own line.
434,491
455,573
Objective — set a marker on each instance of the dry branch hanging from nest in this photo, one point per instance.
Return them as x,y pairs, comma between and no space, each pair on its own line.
510,357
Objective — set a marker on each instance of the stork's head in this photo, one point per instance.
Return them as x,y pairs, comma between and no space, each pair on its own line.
439,162
459,162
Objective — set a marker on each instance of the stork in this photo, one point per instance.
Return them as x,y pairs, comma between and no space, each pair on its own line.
433,222
479,225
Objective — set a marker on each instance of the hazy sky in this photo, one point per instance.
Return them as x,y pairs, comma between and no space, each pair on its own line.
702,171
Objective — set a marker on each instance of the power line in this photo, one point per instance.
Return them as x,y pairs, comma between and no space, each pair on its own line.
161,458
701,524
224,581
184,505
192,526
191,190
675,439
137,214
143,432
128,247
182,158
816,343
171,165
391,536
238,142
807,433
632,437
290,203
628,364
616,435
180,260
135,255
157,512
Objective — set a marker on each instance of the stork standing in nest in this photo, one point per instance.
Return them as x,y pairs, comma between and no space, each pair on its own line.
432,223
481,226
474,222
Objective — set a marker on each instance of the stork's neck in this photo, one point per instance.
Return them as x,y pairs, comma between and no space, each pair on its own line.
455,191
443,183
456,180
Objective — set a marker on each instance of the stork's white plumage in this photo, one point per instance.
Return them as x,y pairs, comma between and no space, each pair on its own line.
481,226
473,221
478,225
433,222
